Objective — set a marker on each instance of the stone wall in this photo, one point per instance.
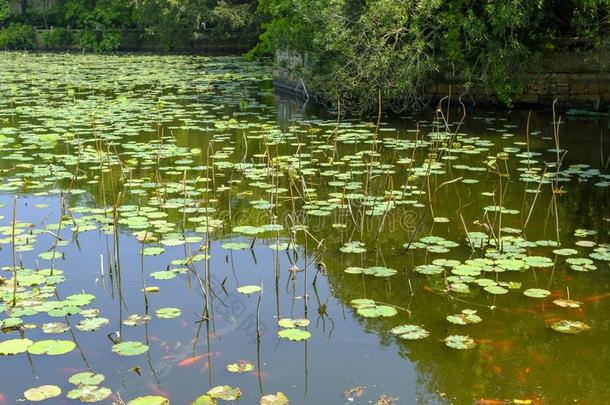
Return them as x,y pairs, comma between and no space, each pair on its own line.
575,79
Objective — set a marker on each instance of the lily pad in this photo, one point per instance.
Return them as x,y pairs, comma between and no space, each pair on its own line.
14,346
410,332
460,342
168,313
89,393
52,347
86,378
294,334
570,327
149,400
129,348
225,392
249,289
274,399
41,393
536,293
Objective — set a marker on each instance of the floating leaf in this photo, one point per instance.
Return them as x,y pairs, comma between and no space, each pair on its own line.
410,332
294,334
52,347
168,313
536,293
467,316
460,342
225,392
292,323
274,399
86,378
41,393
129,348
570,327
149,400
91,324
14,346
204,400
89,393
241,366
249,289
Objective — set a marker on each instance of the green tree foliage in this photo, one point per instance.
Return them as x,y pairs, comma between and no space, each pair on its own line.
361,52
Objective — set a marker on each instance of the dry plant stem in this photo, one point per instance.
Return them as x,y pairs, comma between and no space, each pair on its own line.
14,251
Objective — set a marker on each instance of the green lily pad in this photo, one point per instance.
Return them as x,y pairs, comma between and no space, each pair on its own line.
168,313
292,323
249,289
86,378
536,293
91,324
41,393
129,348
294,334
570,327
225,392
410,332
149,400
241,366
52,347
274,399
55,327
204,400
14,346
467,316
460,342
89,393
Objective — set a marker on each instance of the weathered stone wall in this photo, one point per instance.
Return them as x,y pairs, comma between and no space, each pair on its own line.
574,79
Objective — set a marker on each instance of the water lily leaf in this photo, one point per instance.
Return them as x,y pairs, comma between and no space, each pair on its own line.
204,400
225,392
274,399
41,393
460,342
86,378
294,334
149,400
52,347
410,332
14,346
292,323
129,348
467,316
565,303
570,327
168,313
136,319
55,327
536,293
152,251
163,275
91,324
495,289
89,393
241,366
249,289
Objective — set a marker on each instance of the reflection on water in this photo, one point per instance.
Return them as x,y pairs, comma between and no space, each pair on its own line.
194,147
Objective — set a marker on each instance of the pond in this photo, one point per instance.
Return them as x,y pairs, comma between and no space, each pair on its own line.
173,229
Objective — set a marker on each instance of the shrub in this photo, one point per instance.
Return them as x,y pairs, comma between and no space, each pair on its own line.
18,36
57,38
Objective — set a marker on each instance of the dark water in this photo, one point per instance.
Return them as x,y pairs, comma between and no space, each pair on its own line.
151,132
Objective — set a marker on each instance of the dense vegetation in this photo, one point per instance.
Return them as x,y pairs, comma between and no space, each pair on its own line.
102,25
356,54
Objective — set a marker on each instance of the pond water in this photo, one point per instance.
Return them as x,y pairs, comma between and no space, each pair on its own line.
150,189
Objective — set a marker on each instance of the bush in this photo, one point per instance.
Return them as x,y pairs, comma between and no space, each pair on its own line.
96,41
58,38
18,36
